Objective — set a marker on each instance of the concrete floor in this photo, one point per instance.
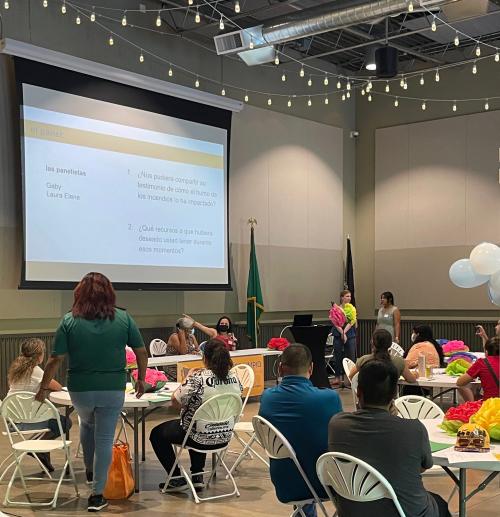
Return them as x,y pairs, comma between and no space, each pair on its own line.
257,494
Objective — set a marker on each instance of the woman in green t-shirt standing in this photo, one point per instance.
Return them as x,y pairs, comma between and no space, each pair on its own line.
94,335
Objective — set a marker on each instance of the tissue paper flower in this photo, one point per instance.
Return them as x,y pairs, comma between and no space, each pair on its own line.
455,417
466,356
130,356
337,316
350,313
278,343
153,377
457,367
488,417
454,346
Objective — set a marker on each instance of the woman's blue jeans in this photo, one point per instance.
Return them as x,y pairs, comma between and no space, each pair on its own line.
98,412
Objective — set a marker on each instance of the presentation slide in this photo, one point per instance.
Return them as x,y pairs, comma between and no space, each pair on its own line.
136,195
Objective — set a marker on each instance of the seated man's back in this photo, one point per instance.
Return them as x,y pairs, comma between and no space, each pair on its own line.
397,448
301,413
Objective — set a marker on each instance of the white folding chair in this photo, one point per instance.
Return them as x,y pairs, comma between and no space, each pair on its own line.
417,407
395,349
246,376
157,347
216,410
353,479
348,365
278,447
19,408
354,390
329,354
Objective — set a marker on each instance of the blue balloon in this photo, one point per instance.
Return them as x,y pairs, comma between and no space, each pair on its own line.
493,295
463,275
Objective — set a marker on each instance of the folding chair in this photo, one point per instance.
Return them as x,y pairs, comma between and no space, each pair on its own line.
246,376
420,408
21,407
353,479
278,447
354,389
157,347
329,354
395,349
216,410
348,365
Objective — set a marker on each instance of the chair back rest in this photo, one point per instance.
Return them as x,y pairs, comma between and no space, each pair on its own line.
157,347
395,349
275,444
353,479
348,365
416,407
246,376
219,408
21,408
354,389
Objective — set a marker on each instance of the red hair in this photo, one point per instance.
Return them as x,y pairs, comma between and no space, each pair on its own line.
94,298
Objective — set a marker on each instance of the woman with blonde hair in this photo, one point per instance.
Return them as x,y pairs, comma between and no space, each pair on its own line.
25,374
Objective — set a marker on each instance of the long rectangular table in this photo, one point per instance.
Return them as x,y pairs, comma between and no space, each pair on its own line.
446,458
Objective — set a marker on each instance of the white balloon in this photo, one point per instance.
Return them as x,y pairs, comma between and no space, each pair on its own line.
485,258
494,295
463,275
495,282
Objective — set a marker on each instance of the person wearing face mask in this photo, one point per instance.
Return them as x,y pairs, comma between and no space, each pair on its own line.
424,343
223,331
182,341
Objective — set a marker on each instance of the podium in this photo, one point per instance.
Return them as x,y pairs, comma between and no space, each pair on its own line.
314,338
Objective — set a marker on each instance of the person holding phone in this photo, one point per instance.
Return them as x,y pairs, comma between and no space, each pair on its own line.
181,342
482,333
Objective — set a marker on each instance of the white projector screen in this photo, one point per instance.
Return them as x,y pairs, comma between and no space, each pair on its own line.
136,195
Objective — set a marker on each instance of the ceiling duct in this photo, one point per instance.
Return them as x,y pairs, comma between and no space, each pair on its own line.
312,23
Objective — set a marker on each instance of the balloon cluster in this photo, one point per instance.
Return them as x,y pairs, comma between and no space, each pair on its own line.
482,266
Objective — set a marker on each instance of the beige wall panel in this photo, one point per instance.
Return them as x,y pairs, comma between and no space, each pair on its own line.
392,179
437,162
482,201
419,279
325,192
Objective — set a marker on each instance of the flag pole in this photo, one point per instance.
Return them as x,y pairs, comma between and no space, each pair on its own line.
253,222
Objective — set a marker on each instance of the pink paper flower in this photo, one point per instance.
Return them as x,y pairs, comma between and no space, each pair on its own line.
152,376
130,356
454,346
278,343
337,315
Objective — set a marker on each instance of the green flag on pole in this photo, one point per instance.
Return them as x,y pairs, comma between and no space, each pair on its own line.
255,304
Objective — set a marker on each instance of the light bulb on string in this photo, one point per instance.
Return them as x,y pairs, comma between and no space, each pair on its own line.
474,68
454,107
124,19
369,97
45,3
348,95
309,102
486,105
78,20
246,97
170,71
141,58
237,7
197,18
436,77
424,106
92,16
223,92
197,83
456,40
289,103
325,80
63,8
369,86
497,56
402,81
396,102
478,50
326,100
301,73
190,2
111,41
387,87
251,44
422,80
343,96
348,85
269,101
405,86
339,85
221,24
277,60
363,91
309,81
433,25
410,6
158,20
283,77
6,4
